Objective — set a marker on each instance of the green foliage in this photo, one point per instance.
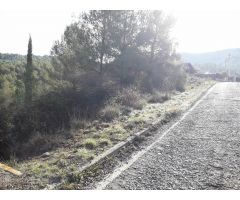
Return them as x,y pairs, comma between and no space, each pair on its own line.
129,46
12,73
28,81
104,55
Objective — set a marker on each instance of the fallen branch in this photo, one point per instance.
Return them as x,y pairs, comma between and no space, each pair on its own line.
10,169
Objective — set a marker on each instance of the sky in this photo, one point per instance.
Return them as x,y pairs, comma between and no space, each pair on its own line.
201,25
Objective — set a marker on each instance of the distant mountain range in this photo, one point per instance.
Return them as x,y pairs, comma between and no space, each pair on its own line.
211,62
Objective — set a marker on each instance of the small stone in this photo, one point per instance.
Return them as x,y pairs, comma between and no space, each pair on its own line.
45,155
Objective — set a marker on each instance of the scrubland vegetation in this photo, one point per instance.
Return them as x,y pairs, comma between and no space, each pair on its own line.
59,168
107,65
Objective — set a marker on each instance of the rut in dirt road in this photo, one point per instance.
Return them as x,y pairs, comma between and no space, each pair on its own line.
200,152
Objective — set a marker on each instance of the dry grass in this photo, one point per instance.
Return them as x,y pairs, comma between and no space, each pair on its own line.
114,133
90,143
110,112
85,154
40,143
77,123
130,97
104,142
172,113
158,97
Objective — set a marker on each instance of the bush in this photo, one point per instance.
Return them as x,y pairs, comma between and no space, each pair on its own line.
55,111
158,97
6,140
130,97
76,123
180,86
171,113
5,150
104,142
110,112
90,143
37,144
139,104
178,78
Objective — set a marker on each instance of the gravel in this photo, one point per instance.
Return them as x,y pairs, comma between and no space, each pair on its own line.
201,152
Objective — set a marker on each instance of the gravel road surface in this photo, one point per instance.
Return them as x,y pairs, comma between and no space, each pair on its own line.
202,151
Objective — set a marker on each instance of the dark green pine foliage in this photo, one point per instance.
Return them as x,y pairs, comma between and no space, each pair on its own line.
29,75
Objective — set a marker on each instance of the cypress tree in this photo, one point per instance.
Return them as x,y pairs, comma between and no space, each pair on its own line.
29,75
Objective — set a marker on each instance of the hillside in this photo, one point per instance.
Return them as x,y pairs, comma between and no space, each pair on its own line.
9,57
214,61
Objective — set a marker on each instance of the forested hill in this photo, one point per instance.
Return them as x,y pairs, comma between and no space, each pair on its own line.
18,57
12,68
214,61
11,57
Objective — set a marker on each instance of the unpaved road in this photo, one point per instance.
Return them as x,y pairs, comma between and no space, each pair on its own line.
202,151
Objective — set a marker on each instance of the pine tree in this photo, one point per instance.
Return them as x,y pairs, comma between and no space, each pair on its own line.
29,75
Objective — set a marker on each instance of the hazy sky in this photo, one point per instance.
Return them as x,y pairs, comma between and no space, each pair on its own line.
202,25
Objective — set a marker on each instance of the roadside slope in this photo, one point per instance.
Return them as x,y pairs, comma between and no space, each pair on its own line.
62,165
